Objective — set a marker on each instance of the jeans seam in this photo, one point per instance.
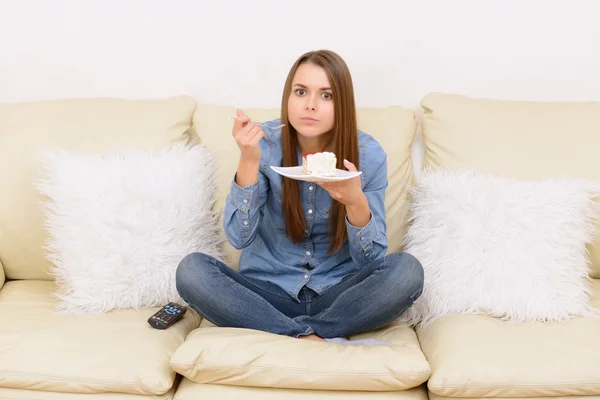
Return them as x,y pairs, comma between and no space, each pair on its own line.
416,295
309,331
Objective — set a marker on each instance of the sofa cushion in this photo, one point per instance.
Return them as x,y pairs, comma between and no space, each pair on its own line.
518,139
189,390
245,357
478,356
500,237
113,352
148,211
394,127
90,125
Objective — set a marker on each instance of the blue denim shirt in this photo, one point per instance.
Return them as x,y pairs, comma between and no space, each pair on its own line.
253,221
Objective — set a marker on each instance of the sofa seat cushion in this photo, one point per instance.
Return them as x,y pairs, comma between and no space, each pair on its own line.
478,356
114,352
189,390
245,357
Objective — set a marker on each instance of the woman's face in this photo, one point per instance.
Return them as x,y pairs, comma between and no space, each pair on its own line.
310,105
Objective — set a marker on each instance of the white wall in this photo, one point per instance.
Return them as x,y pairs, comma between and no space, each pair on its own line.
238,52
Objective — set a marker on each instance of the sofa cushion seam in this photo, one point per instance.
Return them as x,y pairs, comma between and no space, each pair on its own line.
512,385
84,380
188,365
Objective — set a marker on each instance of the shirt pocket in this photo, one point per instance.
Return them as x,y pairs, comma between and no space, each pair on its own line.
323,212
324,204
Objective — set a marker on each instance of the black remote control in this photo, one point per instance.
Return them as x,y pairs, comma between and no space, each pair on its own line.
167,316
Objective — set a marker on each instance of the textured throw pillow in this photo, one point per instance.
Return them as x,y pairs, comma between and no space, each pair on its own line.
120,223
501,247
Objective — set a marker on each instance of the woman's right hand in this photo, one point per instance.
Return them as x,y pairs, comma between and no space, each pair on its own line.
247,135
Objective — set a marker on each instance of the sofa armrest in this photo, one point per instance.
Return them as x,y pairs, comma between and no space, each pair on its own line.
2,278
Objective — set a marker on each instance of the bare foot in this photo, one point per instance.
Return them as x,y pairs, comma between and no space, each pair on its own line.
313,337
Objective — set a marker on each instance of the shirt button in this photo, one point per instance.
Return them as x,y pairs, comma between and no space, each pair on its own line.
245,222
245,200
310,211
305,276
308,253
310,187
362,238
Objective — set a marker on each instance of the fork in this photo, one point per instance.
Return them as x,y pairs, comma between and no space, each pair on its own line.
263,124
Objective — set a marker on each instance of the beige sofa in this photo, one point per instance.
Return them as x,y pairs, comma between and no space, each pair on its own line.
117,355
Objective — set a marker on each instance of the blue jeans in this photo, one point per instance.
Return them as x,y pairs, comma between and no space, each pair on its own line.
367,300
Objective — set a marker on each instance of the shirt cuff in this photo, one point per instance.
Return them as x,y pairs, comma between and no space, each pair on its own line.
362,237
244,199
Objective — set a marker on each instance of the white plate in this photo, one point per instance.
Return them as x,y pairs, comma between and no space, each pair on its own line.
296,173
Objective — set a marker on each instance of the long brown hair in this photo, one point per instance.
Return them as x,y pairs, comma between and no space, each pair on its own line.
344,137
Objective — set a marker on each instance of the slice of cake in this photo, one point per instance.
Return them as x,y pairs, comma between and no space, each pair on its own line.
320,164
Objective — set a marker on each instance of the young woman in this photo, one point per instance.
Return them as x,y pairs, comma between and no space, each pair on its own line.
313,264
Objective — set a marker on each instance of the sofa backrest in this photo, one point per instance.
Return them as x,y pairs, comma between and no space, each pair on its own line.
518,139
92,125
393,127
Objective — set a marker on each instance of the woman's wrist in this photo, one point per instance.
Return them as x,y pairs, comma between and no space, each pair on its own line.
247,172
359,213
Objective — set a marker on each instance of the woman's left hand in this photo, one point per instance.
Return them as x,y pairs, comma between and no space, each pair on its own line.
347,192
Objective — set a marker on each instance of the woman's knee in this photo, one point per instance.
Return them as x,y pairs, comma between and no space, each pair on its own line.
409,273
191,273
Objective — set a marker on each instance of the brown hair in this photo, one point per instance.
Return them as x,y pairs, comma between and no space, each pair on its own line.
344,137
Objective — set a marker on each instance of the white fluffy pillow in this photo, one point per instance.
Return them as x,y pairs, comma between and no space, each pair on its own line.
120,223
501,247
